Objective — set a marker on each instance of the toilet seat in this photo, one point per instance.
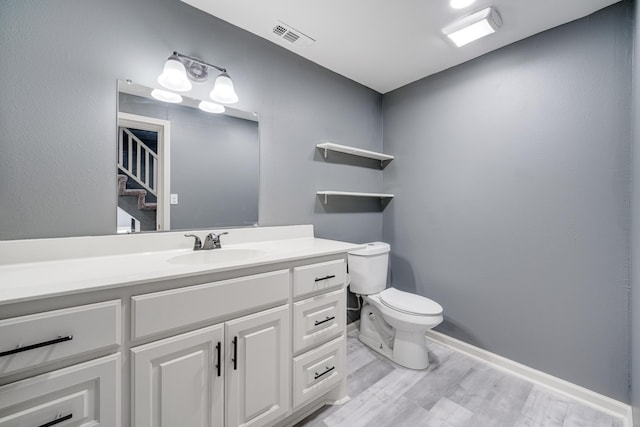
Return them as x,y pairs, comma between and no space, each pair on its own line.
408,303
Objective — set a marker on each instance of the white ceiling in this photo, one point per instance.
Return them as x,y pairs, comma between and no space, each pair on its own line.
387,44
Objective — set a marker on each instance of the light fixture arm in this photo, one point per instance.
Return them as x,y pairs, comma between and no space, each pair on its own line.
197,69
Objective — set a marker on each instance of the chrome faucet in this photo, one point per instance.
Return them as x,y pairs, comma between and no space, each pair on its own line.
197,244
212,241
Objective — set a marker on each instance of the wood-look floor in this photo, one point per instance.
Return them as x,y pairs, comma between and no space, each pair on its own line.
455,391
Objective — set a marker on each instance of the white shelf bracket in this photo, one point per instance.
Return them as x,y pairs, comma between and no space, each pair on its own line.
325,196
325,156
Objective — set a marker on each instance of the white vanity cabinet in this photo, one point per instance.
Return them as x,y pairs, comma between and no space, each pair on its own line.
178,381
319,324
84,394
257,371
185,380
153,344
233,373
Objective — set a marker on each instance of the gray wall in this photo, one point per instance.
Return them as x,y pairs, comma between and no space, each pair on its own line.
512,183
59,69
635,242
215,164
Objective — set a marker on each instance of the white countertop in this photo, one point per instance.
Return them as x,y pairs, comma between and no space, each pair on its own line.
26,281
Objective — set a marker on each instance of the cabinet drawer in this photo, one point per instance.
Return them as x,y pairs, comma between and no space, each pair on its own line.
163,311
317,319
34,340
316,278
318,370
82,395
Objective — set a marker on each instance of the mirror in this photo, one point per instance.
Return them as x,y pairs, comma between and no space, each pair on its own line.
183,168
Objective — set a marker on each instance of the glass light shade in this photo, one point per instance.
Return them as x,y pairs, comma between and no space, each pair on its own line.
223,91
211,107
461,4
174,76
164,96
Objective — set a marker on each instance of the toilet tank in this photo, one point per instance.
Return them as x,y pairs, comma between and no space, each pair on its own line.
368,268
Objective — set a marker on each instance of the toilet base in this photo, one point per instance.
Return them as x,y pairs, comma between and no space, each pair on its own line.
408,349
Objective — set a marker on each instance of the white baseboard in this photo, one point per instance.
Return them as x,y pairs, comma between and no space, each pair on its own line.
574,391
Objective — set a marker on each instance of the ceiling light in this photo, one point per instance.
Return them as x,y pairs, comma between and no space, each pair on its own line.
174,75
180,70
223,90
164,96
473,27
461,4
211,107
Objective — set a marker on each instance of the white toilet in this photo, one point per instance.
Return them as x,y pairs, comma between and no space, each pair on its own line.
392,322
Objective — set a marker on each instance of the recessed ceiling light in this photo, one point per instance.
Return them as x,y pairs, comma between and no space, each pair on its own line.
473,27
461,4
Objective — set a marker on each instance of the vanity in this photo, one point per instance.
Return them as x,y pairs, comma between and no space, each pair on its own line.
140,330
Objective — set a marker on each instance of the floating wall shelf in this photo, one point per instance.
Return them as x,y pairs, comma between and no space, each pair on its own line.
329,146
326,194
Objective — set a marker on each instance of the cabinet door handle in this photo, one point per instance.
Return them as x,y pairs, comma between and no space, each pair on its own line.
235,353
320,322
320,279
329,369
58,420
34,346
219,354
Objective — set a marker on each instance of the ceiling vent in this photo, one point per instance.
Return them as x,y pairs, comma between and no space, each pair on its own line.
291,35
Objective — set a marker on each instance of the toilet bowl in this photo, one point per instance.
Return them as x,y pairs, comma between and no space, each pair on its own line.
392,322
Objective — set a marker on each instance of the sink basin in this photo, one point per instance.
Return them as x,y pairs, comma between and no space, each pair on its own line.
216,256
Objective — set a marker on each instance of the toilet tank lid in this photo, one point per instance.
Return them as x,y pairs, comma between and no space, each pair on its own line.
373,248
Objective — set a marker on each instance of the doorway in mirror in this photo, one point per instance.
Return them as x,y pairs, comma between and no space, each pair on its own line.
141,173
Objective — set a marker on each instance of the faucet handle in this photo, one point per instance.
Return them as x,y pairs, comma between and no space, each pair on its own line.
213,241
197,244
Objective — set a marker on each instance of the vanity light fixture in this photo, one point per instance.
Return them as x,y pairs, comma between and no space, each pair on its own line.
180,70
211,107
473,27
163,95
460,4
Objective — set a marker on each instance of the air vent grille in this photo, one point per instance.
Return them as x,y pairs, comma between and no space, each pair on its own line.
291,35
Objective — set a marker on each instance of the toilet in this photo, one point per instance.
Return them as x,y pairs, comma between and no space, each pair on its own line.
392,322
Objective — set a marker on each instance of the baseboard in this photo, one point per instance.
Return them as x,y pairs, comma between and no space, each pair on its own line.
574,391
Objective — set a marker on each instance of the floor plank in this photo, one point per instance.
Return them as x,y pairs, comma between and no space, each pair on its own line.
454,391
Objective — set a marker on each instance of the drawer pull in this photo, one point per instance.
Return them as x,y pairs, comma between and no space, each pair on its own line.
235,353
329,369
58,420
219,351
320,279
34,346
320,322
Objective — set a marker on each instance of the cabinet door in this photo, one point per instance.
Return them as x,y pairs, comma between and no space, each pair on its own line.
177,382
258,368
